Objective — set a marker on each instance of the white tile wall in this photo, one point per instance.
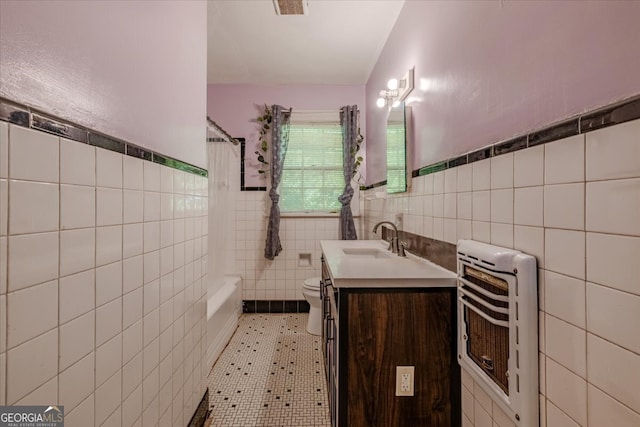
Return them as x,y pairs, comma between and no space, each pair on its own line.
614,206
32,312
282,278
80,233
564,160
612,153
33,207
585,234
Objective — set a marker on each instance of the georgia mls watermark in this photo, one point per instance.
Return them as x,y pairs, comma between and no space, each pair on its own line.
31,416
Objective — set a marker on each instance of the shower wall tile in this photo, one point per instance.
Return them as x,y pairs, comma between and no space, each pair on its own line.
108,359
24,165
77,207
77,339
614,370
612,261
564,160
613,206
33,207
84,257
33,259
502,171
77,163
108,206
108,244
77,250
151,176
108,169
615,315
481,175
166,180
4,207
528,167
567,345
76,383
4,150
45,393
502,206
567,391
574,206
132,240
31,312
604,410
133,175
151,240
151,206
613,152
528,206
108,283
565,298
30,365
564,206
77,295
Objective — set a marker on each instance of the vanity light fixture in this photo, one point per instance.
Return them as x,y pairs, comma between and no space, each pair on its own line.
397,91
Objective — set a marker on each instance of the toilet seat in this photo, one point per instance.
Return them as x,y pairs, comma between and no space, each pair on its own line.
312,283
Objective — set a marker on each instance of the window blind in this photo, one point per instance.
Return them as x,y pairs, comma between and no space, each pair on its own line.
312,176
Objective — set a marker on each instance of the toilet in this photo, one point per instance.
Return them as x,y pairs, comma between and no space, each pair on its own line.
311,292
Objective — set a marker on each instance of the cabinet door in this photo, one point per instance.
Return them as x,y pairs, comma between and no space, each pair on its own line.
387,330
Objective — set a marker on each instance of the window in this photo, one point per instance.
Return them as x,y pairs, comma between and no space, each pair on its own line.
312,176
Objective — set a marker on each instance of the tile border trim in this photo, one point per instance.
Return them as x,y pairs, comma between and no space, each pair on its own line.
614,114
375,185
202,411
24,116
275,306
243,144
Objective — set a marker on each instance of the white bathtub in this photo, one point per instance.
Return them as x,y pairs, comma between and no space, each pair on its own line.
223,312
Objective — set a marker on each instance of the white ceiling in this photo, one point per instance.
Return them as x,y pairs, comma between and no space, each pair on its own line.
338,42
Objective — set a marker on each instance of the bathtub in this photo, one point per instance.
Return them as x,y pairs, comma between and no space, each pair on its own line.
223,312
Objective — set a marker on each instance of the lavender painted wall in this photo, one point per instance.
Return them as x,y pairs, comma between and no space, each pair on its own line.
135,70
487,71
235,106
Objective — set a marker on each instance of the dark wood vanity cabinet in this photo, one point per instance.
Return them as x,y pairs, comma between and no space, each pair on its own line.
367,332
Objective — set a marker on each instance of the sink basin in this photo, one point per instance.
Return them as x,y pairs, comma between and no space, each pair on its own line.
365,253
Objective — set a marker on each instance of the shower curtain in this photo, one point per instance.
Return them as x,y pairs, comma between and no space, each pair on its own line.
221,158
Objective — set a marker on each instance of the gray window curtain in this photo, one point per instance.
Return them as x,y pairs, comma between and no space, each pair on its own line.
279,143
349,123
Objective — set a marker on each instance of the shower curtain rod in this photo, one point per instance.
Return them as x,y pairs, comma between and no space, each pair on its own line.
216,127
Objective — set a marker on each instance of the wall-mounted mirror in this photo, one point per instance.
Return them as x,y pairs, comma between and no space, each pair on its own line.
398,173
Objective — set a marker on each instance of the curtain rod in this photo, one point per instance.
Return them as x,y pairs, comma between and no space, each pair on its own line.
216,127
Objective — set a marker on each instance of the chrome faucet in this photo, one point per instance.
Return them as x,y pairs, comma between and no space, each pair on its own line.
394,245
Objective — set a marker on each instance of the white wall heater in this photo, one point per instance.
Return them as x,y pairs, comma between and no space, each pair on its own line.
498,326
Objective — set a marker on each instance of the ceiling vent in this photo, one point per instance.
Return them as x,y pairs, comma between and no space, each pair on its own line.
291,7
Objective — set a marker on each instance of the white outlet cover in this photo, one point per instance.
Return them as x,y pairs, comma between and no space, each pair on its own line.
405,377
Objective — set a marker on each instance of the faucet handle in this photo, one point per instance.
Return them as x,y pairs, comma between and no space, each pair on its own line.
402,245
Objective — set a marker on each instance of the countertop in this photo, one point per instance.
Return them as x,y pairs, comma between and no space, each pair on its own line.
349,271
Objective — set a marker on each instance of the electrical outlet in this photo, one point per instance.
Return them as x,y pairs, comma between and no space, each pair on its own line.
404,380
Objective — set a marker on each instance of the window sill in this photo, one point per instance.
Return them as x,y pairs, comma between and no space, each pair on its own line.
312,215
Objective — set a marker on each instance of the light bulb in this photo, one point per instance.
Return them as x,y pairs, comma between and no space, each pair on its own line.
392,84
381,102
395,104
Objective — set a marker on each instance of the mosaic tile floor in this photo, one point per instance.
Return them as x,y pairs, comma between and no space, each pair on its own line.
270,375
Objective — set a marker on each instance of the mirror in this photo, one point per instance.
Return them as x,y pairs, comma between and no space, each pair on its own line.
398,175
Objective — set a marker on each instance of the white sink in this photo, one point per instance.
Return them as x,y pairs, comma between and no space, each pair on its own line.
368,264
365,253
